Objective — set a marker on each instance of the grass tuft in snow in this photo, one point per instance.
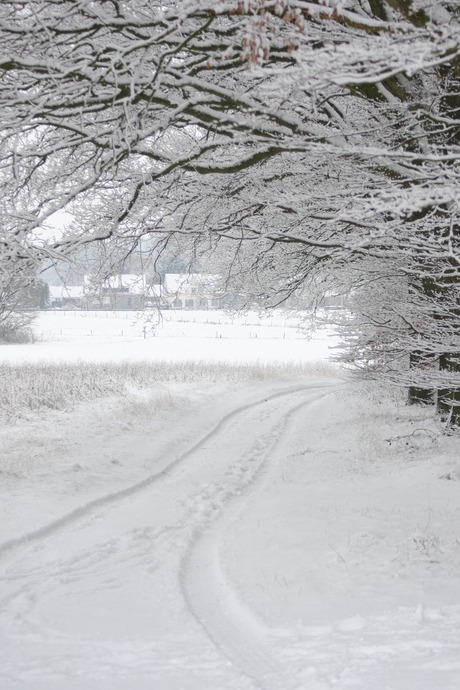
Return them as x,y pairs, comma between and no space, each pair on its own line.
33,387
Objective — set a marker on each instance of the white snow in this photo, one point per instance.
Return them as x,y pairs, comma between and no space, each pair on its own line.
279,535
176,336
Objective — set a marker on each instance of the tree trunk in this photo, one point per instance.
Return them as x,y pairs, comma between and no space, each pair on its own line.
420,396
448,403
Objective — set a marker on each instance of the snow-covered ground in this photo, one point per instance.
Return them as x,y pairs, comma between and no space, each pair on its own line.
279,535
174,336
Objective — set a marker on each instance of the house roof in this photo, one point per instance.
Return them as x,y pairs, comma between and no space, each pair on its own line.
135,284
66,291
183,282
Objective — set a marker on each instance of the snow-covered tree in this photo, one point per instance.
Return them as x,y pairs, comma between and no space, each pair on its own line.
291,136
100,100
20,298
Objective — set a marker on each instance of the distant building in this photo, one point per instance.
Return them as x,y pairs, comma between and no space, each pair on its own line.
192,291
122,292
330,300
137,292
66,297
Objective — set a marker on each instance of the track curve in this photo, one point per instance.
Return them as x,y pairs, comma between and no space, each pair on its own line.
233,628
62,584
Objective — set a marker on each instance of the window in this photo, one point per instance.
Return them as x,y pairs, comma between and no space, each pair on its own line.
177,304
189,304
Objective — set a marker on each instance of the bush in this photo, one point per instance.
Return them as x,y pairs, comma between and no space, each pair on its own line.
20,298
16,328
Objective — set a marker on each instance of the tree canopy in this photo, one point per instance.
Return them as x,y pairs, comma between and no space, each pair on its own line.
294,137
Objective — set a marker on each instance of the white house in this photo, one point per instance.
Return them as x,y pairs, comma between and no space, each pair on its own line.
67,296
133,291
128,291
192,291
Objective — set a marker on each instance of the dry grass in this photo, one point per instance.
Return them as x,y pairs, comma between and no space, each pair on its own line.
40,386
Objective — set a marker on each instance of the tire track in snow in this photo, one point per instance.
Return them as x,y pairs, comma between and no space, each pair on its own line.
228,623
109,499
241,441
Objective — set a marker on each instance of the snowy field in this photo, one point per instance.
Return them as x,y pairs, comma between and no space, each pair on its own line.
262,522
172,336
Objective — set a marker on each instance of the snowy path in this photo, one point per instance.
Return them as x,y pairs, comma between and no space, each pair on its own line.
129,587
232,626
255,537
